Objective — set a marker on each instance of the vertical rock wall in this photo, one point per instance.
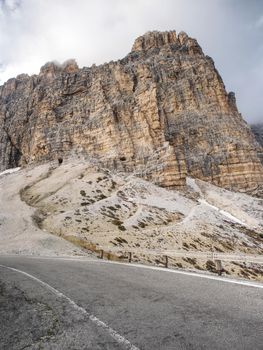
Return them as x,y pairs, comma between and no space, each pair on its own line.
162,112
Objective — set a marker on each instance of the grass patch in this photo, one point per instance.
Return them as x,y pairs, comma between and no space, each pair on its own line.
99,179
117,222
185,245
112,208
101,196
120,240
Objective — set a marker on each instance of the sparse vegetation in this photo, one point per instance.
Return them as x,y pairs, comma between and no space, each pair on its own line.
211,266
99,179
120,240
113,184
112,208
117,222
101,196
158,226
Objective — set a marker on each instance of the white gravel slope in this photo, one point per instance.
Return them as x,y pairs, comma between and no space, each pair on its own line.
18,233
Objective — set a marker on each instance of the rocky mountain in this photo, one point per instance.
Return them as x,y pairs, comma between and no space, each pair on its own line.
161,112
257,130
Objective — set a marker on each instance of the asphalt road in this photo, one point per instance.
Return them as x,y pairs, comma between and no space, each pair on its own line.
99,305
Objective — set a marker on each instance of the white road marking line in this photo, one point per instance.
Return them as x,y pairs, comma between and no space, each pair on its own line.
115,335
193,274
99,261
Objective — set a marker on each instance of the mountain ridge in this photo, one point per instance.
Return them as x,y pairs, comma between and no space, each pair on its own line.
162,111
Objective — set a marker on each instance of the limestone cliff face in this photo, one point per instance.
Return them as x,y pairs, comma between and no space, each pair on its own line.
162,112
257,130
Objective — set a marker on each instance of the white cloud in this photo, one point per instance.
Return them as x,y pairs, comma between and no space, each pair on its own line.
259,22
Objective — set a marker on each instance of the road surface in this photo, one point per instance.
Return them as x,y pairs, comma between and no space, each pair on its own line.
48,303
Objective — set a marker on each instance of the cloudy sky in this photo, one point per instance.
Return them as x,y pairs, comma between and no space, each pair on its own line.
33,32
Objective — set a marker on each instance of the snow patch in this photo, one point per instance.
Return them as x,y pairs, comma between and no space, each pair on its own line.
190,182
223,212
9,171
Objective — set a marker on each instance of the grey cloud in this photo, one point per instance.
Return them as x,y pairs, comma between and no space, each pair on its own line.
33,32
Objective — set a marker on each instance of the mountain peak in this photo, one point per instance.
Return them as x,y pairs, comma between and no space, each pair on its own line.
154,39
51,68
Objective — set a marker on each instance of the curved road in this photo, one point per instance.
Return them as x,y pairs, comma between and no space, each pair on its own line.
49,303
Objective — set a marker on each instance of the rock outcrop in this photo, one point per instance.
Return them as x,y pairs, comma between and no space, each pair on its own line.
257,130
162,111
